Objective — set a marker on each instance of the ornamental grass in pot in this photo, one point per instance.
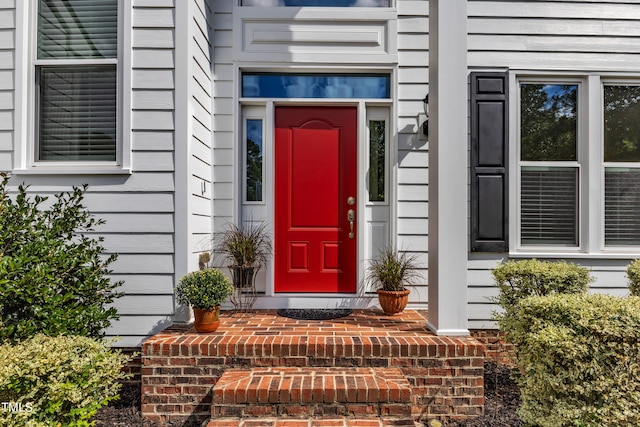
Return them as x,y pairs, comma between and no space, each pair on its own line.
390,272
204,290
245,248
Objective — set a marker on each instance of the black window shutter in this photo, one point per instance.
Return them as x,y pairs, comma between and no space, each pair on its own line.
489,162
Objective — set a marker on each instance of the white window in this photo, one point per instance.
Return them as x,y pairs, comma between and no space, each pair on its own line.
76,80
548,164
621,164
578,165
71,57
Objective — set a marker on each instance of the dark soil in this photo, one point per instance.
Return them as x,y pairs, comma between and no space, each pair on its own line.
501,399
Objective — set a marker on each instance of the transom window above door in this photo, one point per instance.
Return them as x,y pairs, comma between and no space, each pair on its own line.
317,3
287,85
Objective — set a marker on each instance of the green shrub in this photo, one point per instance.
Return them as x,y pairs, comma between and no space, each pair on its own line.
57,381
519,279
53,277
633,273
205,289
580,356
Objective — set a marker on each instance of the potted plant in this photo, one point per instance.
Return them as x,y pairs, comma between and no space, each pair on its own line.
204,290
246,249
390,272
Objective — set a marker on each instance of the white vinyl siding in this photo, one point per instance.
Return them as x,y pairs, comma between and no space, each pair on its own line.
7,95
555,39
141,220
412,157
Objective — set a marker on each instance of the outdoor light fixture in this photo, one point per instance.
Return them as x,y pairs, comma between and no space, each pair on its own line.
423,119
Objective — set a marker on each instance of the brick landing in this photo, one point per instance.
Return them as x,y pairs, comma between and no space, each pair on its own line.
180,367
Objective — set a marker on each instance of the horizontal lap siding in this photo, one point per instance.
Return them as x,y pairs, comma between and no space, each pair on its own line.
582,36
200,97
412,190
140,208
223,118
7,50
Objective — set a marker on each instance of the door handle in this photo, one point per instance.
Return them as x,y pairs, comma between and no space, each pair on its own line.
351,217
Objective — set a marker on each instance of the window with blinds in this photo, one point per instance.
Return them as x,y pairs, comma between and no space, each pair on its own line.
622,182
548,206
549,170
77,102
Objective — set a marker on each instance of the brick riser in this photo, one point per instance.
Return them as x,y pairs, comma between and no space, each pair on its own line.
312,392
180,367
325,422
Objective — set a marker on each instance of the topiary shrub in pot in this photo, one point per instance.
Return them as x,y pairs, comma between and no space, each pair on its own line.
204,290
390,272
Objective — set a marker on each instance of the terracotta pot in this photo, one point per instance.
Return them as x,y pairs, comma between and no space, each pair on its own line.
393,302
206,320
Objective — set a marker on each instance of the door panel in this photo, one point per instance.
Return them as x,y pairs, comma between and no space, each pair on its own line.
315,174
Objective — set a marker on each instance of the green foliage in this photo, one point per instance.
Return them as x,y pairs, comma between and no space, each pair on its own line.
248,245
391,270
580,356
633,273
58,381
53,277
205,289
519,279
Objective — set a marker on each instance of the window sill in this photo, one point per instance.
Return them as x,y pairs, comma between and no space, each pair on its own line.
576,255
70,170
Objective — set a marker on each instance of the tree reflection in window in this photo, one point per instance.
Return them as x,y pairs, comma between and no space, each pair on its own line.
548,122
377,151
621,123
317,3
254,160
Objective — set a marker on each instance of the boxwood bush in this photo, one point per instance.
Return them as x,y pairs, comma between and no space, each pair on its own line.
633,273
57,381
523,278
53,272
580,359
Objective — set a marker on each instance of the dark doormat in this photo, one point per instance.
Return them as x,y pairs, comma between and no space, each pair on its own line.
313,313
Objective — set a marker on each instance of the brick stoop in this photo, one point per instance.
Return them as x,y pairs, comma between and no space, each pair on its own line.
332,422
183,372
312,392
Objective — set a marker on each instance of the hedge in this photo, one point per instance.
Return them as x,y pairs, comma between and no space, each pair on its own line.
523,278
633,273
57,381
580,359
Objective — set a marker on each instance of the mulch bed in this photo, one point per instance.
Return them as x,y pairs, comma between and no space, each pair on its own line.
501,401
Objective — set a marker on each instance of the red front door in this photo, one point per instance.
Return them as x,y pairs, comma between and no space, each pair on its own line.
315,195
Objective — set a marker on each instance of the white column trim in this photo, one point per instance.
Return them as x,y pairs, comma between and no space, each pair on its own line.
448,167
182,151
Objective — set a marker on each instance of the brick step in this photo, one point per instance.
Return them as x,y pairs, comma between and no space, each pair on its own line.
303,392
325,422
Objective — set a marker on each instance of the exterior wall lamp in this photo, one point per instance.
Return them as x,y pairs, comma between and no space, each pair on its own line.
423,119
